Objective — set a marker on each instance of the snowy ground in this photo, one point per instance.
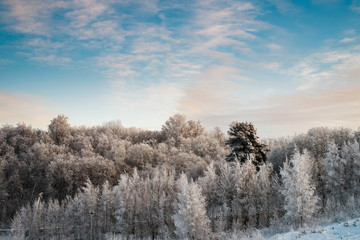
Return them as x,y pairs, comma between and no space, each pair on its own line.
342,230
336,231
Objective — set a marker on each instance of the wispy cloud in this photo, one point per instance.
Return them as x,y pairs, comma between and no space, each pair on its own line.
317,2
323,68
328,80
337,106
51,59
85,11
278,115
104,27
355,6
284,6
347,40
44,43
33,16
274,47
215,91
5,61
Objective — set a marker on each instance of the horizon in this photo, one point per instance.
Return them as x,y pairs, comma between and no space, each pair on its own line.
284,66
224,130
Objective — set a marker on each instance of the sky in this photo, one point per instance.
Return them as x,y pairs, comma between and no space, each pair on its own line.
286,66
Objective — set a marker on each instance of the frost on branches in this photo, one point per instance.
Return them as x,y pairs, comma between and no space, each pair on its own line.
298,189
190,219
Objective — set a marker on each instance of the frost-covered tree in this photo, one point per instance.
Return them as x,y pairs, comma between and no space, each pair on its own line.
190,218
106,208
263,198
177,128
333,178
245,186
138,155
128,203
59,129
298,189
82,213
252,189
210,189
3,193
157,198
227,194
38,221
350,155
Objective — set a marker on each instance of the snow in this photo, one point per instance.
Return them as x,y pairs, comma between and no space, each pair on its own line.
342,230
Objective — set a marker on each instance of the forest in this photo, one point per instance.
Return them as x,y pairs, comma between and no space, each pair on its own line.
182,182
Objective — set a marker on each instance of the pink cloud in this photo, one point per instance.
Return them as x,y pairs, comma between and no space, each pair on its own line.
15,108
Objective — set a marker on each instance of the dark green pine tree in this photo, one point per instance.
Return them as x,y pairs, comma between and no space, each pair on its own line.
245,144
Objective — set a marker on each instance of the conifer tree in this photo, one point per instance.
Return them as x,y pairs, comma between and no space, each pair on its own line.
245,144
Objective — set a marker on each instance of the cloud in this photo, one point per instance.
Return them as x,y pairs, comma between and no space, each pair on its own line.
31,16
17,108
85,11
323,68
355,6
325,2
329,84
51,59
125,43
347,40
215,92
338,106
218,25
284,6
5,61
279,115
41,43
350,32
274,47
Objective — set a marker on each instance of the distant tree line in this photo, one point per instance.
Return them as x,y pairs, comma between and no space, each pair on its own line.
111,182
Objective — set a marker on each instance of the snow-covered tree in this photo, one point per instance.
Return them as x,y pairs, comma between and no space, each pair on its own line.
243,204
128,203
138,155
227,193
59,129
350,155
263,200
210,189
333,179
106,208
177,128
82,213
298,189
190,218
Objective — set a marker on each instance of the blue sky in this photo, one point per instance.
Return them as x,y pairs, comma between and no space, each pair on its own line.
284,65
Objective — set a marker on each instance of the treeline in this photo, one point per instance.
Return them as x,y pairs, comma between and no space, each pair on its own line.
109,182
59,161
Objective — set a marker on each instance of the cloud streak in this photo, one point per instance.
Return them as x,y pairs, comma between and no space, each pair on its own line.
278,115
